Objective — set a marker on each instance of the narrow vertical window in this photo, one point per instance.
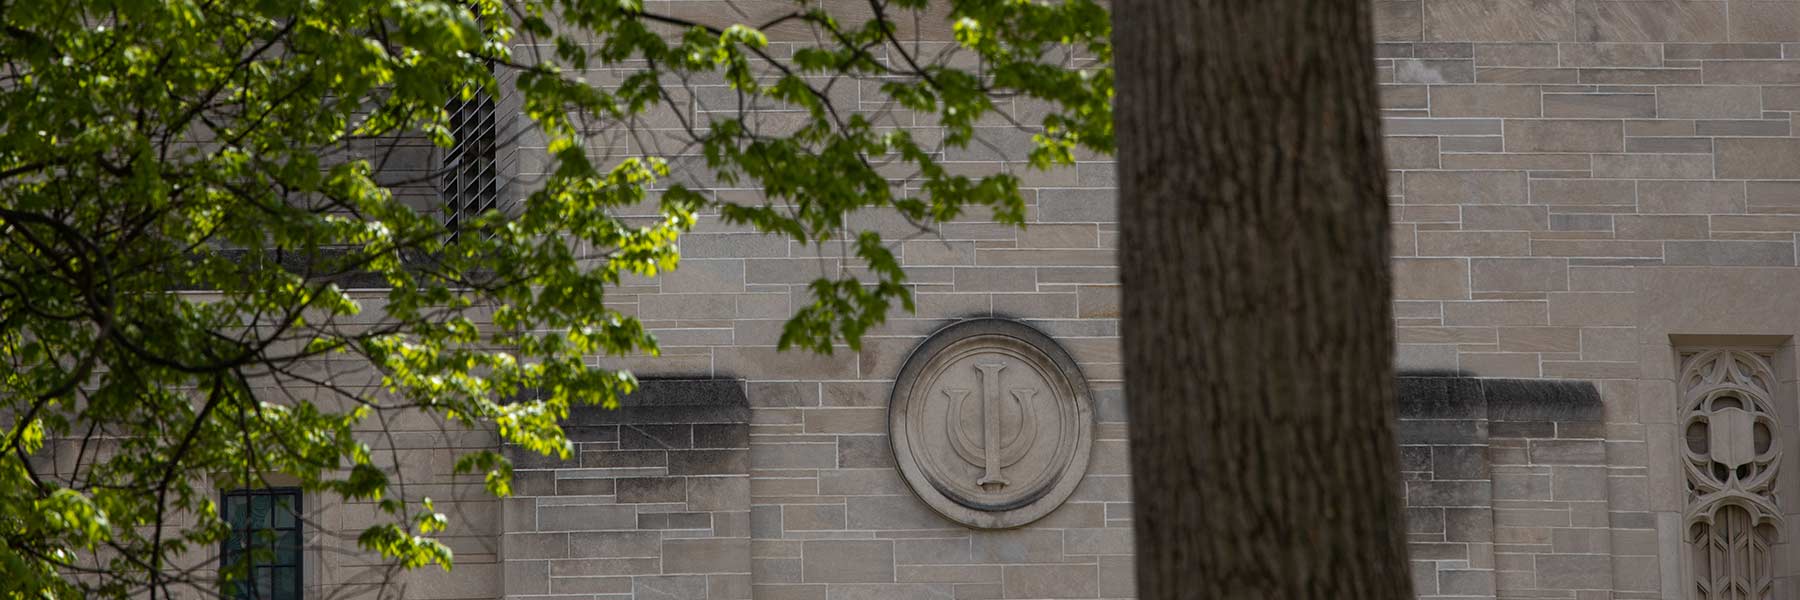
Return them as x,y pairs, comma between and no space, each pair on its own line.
262,557
470,184
1733,453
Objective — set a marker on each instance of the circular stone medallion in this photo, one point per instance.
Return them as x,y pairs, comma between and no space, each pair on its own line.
991,423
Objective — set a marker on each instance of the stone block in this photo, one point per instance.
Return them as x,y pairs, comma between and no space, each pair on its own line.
750,361
1412,152
1465,582
655,437
1076,206
1465,187
721,435
651,489
1662,227
1521,484
1599,106
1448,493
1486,101
706,555
1612,55
626,459
1497,312
849,482
1431,278
1519,274
1578,483
704,277
1016,546
526,577
1396,20
1459,462
615,544
595,517
1540,339
1729,253
526,546
898,591
675,520
1515,55
848,561
1500,20
1625,21
1537,400
1108,540
718,493
1514,218
849,420
1568,452
1653,166
1582,192
1564,135
1764,21
932,551
1441,432
1474,243
709,462
1758,158
1052,581
1468,524
732,586
892,512
1574,571
1425,521
1709,102
812,517
1117,577
604,567
668,587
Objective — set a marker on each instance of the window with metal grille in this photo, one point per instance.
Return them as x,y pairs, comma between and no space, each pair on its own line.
470,185
264,550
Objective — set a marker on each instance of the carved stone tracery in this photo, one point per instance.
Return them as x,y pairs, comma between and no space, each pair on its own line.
1732,455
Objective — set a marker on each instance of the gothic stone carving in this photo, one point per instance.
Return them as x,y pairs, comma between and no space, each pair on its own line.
1732,454
991,423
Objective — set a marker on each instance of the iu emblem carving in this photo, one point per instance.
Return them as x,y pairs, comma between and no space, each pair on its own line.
991,423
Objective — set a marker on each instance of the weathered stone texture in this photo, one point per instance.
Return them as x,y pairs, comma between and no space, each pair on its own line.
654,503
1644,155
1579,187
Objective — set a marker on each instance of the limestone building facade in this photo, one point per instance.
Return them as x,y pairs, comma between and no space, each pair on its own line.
1595,208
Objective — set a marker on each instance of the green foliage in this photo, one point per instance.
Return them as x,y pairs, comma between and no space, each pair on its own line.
165,165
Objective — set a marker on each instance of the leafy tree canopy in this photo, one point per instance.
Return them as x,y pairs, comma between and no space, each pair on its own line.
187,186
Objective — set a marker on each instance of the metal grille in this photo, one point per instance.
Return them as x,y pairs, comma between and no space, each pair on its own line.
470,184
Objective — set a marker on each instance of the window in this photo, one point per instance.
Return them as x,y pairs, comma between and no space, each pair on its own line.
263,552
470,185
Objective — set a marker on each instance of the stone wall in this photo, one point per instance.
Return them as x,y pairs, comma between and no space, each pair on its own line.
1582,189
1506,487
654,503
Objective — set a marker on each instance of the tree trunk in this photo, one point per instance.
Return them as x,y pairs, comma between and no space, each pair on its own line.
1257,336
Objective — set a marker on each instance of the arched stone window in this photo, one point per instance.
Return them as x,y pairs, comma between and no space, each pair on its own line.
1732,455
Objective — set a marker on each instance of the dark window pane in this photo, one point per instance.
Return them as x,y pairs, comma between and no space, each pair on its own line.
287,584
287,549
259,511
235,509
284,512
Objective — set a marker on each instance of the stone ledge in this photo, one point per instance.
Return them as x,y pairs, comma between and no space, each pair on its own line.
1458,395
671,401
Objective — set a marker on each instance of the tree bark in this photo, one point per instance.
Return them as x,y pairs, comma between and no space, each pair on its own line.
1257,323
